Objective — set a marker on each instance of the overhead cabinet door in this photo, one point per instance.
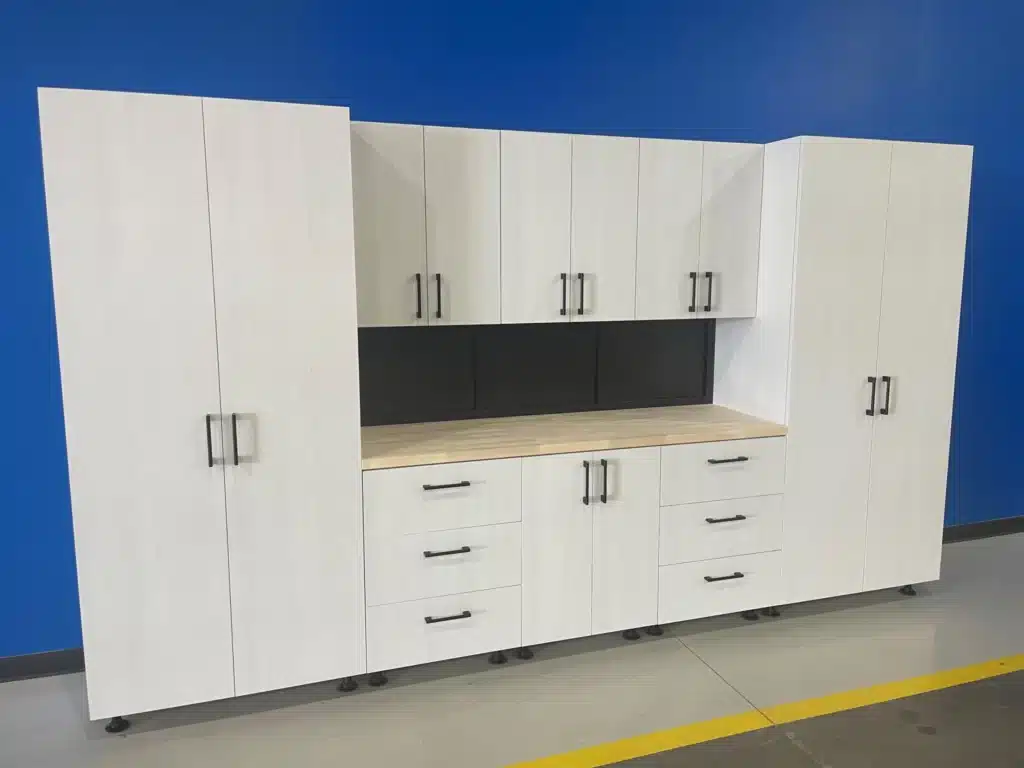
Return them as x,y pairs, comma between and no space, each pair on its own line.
130,251
281,220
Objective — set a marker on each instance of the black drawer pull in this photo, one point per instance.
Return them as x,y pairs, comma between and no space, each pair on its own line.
565,282
438,313
874,390
733,519
461,484
693,293
586,483
209,441
736,575
459,551
604,489
884,410
710,276
735,460
419,296
439,619
580,276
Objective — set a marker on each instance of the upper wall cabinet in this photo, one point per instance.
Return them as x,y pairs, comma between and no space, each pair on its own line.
603,240
390,223
536,191
730,229
463,193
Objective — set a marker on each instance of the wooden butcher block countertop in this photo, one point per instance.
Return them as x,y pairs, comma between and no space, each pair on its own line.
407,445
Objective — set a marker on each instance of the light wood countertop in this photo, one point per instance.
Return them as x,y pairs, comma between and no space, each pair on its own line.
407,445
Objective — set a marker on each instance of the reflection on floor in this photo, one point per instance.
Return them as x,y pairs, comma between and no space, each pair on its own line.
572,695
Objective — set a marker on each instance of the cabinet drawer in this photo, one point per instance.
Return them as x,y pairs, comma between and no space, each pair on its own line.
714,529
421,565
439,497
684,591
400,635
731,469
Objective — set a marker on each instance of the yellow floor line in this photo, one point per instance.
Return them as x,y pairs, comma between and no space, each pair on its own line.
731,725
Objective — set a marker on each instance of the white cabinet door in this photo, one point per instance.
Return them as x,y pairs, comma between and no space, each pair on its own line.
536,178
730,229
130,252
603,244
917,341
463,183
281,219
840,246
557,547
668,229
626,517
390,223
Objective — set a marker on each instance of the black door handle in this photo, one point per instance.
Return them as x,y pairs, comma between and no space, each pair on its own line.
884,410
438,277
565,289
234,436
459,551
580,276
693,293
460,484
604,488
710,277
586,483
733,519
734,460
439,619
209,440
419,296
874,386
736,575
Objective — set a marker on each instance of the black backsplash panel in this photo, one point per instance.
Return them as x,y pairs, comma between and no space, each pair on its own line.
463,372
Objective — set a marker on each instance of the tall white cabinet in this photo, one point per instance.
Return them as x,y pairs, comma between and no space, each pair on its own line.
202,256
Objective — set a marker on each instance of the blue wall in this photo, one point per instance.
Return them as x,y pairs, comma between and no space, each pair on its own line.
942,70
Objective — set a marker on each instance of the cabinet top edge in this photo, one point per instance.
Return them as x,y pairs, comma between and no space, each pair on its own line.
409,445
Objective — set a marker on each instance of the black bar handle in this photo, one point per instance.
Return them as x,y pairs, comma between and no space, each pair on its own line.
438,278
565,297
460,484
693,293
884,410
604,488
209,440
439,619
419,296
710,276
874,386
234,436
733,519
580,276
459,551
586,483
710,579
733,460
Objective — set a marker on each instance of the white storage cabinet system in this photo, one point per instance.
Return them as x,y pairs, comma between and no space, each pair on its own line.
212,260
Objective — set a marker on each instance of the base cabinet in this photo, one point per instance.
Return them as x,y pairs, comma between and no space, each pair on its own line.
713,587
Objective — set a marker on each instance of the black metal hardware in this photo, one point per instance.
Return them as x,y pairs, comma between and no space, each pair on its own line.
234,436
439,619
711,579
874,386
460,484
884,410
709,276
459,551
580,276
438,278
693,293
419,296
209,441
734,460
733,519
565,297
586,483
604,489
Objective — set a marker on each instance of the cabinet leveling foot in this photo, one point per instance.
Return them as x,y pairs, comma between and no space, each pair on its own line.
377,679
750,615
654,631
347,685
524,653
498,657
116,725
771,610
631,634
908,590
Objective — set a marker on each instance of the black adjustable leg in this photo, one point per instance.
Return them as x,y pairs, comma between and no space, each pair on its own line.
771,610
116,725
750,615
524,653
654,631
908,590
631,634
377,679
498,657
347,685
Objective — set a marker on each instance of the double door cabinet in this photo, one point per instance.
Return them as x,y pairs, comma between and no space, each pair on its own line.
457,225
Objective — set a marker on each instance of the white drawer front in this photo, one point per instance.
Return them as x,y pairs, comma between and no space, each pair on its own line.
421,565
685,593
720,529
439,497
399,635
731,469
